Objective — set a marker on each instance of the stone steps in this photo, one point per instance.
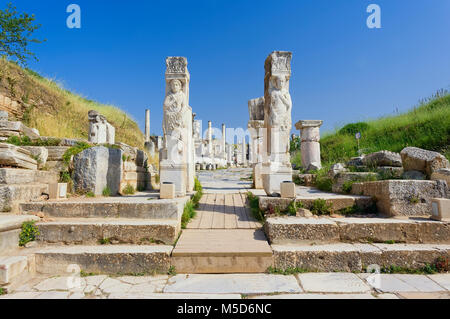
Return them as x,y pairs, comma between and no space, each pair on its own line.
113,207
107,259
285,230
356,257
12,195
123,231
27,176
15,270
202,251
10,228
335,201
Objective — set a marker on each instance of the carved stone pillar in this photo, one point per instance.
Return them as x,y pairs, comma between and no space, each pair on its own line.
277,121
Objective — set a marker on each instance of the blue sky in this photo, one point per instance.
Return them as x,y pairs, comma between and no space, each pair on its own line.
342,70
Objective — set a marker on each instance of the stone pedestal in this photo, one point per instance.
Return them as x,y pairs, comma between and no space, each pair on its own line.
277,121
256,129
310,143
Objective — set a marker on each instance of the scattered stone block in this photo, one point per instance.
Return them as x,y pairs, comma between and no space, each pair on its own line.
57,191
440,209
4,116
394,172
356,161
8,128
383,158
55,153
39,153
97,168
303,212
442,174
336,169
11,155
414,175
417,159
403,197
341,178
167,191
11,267
287,190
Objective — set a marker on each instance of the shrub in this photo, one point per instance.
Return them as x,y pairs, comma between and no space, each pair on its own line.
128,190
353,128
320,207
292,209
323,181
29,233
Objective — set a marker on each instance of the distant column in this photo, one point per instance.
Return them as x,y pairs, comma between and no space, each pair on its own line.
244,152
224,152
210,143
310,143
147,126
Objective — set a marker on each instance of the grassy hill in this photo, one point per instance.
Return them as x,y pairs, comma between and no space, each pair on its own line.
426,126
56,112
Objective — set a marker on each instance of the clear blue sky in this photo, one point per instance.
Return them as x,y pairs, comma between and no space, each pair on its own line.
342,71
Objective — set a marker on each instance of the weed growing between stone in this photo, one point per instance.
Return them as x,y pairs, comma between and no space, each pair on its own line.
188,213
320,207
253,202
74,150
29,233
106,192
128,190
172,271
287,271
198,193
90,195
84,274
2,291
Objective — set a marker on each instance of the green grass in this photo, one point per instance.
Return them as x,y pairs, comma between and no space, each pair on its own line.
198,193
253,202
188,213
128,190
287,271
106,192
426,126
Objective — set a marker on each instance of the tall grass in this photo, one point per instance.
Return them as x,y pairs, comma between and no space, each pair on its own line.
426,126
57,112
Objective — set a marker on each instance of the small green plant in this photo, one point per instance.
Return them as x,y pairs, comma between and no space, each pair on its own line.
74,150
198,193
188,213
128,190
323,181
29,233
390,242
320,207
253,202
64,177
90,194
86,274
286,272
414,200
428,269
106,192
292,209
105,241
442,264
172,271
124,158
2,291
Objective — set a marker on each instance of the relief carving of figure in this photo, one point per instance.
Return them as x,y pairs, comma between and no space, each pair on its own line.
175,107
280,104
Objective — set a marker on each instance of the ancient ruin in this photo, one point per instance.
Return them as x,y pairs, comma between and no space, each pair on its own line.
277,121
100,131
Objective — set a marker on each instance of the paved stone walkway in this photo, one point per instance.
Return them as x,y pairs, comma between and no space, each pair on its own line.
238,286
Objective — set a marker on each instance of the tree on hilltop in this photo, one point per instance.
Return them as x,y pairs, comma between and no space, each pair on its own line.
16,33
